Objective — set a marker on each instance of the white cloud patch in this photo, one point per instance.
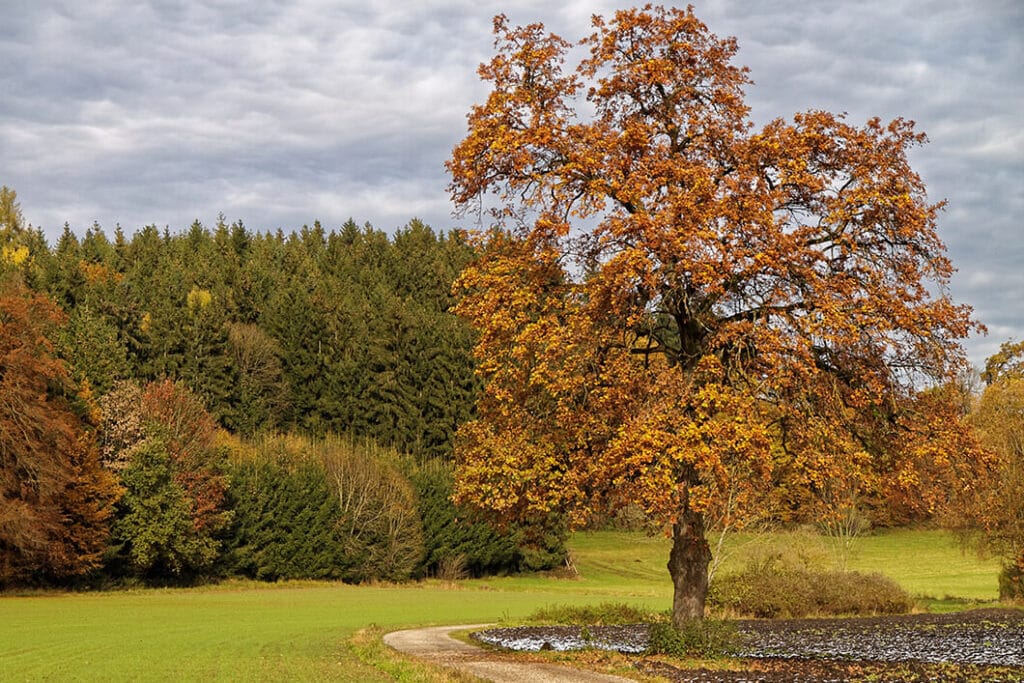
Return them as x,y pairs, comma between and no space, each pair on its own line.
279,113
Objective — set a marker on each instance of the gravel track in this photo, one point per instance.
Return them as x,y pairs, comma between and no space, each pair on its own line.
438,647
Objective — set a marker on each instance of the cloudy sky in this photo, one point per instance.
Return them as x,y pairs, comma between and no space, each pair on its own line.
280,112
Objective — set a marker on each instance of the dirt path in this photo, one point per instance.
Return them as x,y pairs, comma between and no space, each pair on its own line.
438,647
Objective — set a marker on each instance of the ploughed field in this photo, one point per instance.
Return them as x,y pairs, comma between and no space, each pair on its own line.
979,645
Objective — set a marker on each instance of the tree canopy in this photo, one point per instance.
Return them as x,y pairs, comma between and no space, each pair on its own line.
55,498
674,304
998,510
126,363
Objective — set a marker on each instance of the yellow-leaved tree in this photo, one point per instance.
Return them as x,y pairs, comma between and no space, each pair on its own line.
676,310
998,418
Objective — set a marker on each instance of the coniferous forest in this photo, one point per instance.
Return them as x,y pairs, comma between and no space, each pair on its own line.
217,402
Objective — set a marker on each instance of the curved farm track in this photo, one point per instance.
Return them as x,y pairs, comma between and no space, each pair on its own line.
438,647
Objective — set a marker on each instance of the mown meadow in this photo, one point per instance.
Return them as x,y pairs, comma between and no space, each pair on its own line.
320,630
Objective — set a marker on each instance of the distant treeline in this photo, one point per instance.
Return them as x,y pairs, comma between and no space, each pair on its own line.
346,331
224,402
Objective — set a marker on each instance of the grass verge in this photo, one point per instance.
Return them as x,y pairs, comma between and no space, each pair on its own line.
367,647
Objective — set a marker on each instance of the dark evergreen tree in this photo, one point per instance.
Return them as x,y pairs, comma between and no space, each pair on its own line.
89,343
65,281
455,541
285,523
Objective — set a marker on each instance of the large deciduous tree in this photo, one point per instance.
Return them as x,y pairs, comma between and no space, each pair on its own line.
55,497
674,306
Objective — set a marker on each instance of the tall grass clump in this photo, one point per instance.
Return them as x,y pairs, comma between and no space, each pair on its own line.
604,614
708,639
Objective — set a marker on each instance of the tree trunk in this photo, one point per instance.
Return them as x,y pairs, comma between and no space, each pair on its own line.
688,565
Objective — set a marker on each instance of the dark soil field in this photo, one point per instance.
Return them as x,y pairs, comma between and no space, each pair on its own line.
980,645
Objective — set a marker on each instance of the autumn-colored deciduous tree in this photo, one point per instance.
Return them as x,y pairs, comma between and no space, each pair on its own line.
672,305
55,498
1006,363
998,418
181,421
160,441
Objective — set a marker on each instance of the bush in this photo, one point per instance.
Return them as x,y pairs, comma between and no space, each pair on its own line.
857,593
771,592
697,638
1011,581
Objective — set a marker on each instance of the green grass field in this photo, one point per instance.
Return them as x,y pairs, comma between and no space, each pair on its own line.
300,631
928,564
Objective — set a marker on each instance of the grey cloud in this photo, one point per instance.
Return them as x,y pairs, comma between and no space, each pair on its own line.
279,113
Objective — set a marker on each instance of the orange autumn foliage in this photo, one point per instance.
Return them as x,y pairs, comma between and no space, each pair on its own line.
55,497
673,305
